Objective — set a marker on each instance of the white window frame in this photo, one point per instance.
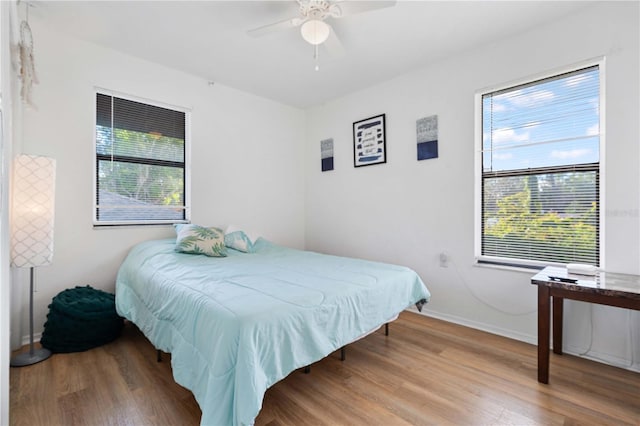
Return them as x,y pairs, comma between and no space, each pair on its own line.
481,259
187,160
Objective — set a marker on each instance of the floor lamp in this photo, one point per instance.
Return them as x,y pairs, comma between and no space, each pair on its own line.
32,230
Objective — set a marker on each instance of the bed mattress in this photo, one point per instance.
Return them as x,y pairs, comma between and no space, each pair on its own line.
236,325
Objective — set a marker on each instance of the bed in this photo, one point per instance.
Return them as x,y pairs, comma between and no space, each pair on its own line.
236,325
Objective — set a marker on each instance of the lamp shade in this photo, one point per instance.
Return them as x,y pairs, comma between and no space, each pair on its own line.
32,211
315,31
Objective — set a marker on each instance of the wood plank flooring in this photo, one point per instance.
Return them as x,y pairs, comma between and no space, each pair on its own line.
426,372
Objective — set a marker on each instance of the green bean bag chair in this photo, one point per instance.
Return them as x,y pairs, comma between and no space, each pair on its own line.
81,318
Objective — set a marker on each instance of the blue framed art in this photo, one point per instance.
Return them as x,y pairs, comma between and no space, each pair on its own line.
326,154
427,137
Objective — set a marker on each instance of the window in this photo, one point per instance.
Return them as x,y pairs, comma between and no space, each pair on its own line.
140,163
539,193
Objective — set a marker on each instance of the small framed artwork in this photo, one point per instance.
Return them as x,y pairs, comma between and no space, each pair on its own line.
326,154
369,141
427,137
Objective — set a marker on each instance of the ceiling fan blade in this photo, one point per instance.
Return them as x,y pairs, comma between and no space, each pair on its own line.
278,26
333,45
340,9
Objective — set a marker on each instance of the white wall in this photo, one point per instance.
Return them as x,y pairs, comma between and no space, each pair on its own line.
408,212
6,106
246,166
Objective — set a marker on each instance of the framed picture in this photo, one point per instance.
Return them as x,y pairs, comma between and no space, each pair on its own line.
326,153
369,141
427,137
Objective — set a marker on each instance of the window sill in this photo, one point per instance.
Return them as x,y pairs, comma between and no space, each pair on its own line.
130,225
512,268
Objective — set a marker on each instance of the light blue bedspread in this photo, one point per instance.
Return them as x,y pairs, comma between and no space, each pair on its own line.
236,325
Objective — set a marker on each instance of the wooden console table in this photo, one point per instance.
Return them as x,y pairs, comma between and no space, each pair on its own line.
604,288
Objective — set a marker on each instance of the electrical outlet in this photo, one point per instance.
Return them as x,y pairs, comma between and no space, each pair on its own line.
444,260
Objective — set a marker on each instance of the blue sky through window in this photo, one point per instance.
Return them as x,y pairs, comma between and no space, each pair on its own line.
554,122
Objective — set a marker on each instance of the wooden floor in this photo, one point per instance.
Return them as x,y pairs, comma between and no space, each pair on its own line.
426,372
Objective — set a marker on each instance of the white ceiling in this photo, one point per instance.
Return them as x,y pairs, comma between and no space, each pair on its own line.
209,39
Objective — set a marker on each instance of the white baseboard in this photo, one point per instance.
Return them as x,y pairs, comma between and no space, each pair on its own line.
27,340
603,358
479,326
609,359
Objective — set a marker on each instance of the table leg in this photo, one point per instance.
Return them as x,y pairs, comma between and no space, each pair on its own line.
558,304
544,313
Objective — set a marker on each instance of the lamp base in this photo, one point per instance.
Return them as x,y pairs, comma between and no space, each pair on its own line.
29,358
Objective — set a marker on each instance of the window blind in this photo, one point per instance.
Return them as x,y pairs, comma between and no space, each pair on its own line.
540,171
140,162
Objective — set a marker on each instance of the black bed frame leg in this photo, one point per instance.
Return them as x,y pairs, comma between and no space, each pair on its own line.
159,355
343,353
386,329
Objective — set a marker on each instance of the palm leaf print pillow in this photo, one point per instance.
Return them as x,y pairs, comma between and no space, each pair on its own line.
195,239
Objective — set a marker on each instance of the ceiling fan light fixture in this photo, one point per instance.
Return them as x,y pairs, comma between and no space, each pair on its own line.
315,31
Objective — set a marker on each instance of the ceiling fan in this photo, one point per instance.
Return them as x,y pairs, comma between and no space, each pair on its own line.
311,20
